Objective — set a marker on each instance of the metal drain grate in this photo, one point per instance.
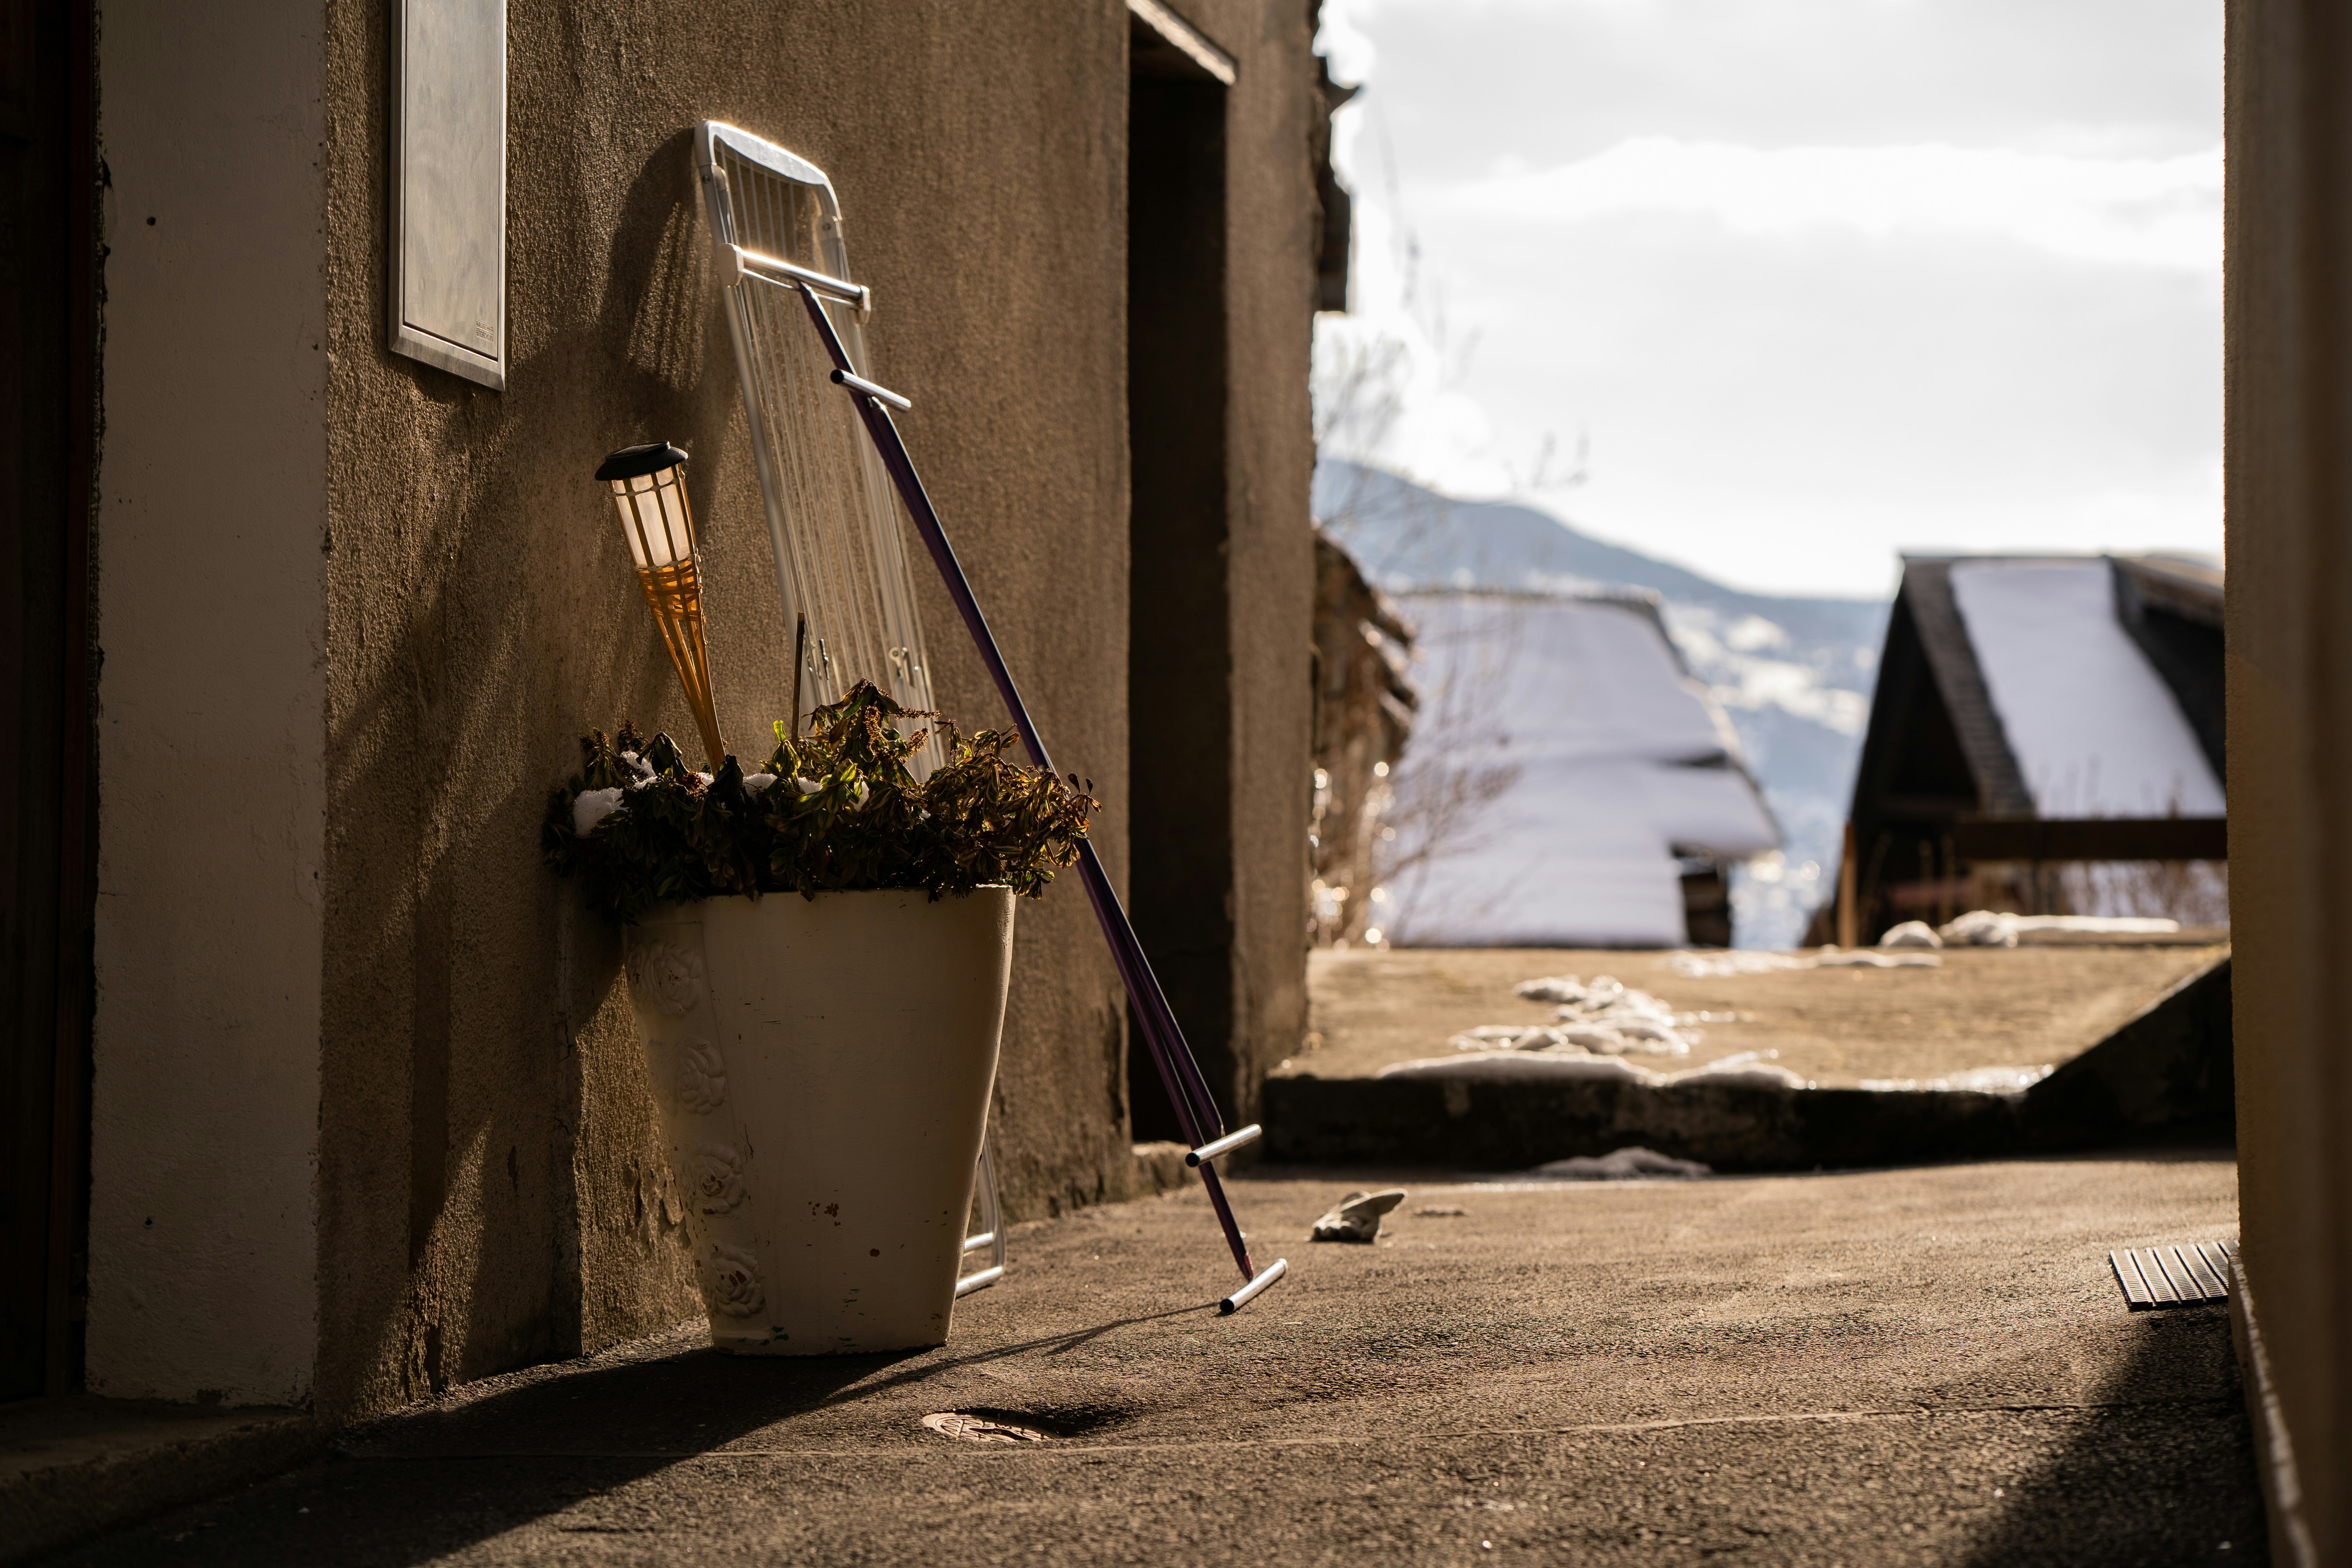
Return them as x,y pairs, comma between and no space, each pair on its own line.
2192,1275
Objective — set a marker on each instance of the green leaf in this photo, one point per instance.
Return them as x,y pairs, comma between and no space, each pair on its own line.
979,819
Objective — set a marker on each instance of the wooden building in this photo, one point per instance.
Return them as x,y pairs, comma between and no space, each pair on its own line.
2034,710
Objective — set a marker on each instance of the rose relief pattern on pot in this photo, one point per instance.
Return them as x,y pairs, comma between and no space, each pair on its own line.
733,1281
668,976
701,1077
669,993
721,1183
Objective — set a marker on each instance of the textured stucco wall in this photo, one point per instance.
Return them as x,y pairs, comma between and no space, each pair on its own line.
2289,482
489,1189
212,631
365,1064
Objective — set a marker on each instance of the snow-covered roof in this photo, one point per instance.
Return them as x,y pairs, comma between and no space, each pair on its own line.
2093,728
1609,759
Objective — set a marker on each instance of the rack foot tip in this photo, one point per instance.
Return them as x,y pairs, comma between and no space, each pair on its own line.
1242,1298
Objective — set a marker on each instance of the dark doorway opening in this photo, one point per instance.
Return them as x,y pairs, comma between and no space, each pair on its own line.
48,261
1179,676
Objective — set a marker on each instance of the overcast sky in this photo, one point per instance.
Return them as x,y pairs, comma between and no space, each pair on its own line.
1816,280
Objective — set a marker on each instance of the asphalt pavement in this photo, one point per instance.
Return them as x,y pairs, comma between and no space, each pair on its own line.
1925,1365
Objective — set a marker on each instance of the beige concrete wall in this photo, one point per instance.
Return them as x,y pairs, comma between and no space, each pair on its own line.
2289,478
212,633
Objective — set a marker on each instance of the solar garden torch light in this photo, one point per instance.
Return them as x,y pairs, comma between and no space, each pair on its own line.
649,487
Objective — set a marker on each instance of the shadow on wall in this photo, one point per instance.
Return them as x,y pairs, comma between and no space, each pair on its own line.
483,616
662,316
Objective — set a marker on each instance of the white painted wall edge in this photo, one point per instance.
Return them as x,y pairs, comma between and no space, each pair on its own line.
211,705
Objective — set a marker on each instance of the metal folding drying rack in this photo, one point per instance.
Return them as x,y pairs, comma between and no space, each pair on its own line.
1196,1111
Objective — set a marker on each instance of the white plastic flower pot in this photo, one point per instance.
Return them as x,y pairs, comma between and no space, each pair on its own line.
823,1069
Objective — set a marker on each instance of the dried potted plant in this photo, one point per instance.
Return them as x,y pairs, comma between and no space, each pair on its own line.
818,953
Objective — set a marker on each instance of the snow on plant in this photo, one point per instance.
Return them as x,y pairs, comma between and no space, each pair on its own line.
640,827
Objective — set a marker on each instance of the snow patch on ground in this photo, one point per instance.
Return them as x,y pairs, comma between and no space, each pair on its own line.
1632,1164
1975,1080
1718,965
1863,958
1991,928
1748,1070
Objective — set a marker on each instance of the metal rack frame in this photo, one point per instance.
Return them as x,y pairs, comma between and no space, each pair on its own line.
746,269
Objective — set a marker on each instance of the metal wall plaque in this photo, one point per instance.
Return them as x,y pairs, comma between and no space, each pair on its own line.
448,250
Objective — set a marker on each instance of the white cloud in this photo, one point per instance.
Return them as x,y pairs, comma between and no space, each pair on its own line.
1383,395
2140,212
1387,376
1817,281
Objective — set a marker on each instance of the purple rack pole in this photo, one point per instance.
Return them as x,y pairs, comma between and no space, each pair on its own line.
1187,1091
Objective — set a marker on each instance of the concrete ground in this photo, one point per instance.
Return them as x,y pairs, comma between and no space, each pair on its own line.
1980,1007
70,1465
1928,1365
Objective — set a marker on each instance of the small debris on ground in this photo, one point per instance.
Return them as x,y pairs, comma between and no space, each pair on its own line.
1623,1165
1357,1216
980,1428
1441,1214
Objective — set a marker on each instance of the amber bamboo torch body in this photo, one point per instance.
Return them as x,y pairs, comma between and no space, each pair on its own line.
648,485
674,592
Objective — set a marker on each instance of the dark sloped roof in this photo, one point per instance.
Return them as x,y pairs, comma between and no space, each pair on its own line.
1959,680
2180,585
2172,608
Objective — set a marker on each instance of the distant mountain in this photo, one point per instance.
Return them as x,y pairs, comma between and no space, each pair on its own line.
1795,674
1415,538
